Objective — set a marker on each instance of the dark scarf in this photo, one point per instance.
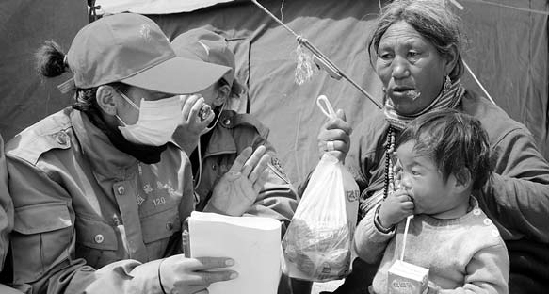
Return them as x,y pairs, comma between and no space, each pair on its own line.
448,98
143,153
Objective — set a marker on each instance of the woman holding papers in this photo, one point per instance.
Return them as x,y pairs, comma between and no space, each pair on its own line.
99,190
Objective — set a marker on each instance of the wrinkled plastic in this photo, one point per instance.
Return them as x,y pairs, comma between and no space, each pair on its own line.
317,243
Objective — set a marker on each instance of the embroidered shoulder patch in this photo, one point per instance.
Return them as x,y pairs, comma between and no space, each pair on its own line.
277,167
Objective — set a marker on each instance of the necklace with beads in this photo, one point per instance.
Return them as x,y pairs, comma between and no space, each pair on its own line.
389,165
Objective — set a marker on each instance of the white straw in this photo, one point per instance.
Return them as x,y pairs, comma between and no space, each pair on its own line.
408,219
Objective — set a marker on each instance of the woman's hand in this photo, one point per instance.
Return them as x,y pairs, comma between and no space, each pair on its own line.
396,207
183,275
191,126
334,135
238,188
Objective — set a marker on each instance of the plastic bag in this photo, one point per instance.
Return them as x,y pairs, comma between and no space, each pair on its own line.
317,243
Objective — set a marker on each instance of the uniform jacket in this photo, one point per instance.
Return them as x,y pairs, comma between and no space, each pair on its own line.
6,207
89,218
233,133
516,197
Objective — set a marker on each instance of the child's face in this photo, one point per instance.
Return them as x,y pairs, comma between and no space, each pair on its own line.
431,195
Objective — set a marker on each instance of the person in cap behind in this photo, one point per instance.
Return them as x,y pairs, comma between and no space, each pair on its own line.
214,139
99,191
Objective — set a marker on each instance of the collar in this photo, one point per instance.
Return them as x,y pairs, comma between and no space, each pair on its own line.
105,159
448,98
222,140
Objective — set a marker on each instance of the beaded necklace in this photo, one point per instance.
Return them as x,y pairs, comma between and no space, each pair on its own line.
389,166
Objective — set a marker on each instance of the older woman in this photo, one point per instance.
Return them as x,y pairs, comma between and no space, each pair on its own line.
416,51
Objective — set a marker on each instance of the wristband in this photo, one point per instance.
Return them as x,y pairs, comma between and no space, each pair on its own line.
378,225
159,279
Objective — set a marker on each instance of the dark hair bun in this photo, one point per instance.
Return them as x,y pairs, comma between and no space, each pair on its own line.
50,59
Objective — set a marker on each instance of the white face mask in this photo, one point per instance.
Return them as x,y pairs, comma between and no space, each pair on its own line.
156,122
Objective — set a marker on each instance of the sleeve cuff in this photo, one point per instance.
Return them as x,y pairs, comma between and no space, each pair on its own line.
145,277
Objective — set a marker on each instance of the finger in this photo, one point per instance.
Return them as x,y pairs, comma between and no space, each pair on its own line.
190,100
409,206
241,159
259,168
333,134
338,123
404,198
260,183
254,159
206,278
399,192
209,262
195,109
210,117
340,113
336,145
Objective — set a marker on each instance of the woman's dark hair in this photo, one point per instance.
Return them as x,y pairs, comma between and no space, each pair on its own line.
433,20
456,142
85,98
51,62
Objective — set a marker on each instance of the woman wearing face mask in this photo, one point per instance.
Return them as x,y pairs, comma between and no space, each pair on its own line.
99,191
416,50
226,135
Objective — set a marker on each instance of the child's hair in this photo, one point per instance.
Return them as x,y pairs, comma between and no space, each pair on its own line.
456,142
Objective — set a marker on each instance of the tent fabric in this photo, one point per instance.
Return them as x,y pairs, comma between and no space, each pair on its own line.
507,49
24,25
266,63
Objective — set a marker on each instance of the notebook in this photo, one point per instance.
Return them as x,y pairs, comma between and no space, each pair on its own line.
253,242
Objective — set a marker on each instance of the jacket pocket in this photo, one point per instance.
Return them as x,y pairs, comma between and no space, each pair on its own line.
42,238
96,241
160,225
157,230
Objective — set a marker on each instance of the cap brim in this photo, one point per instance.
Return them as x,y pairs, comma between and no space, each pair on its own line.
178,75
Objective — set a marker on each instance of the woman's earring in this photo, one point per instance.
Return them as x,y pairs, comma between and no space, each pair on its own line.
447,84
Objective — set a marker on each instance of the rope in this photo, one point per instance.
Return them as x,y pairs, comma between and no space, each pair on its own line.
509,7
327,64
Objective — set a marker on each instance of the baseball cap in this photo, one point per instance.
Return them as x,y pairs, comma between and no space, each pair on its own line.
205,45
132,49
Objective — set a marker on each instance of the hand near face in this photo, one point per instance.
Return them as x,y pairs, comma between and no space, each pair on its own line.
396,207
192,124
334,135
180,274
238,188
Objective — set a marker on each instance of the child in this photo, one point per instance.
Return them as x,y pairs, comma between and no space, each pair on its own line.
443,158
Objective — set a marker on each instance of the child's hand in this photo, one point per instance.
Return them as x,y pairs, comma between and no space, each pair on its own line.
396,207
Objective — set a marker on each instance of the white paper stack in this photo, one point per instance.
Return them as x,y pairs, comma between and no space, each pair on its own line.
253,242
